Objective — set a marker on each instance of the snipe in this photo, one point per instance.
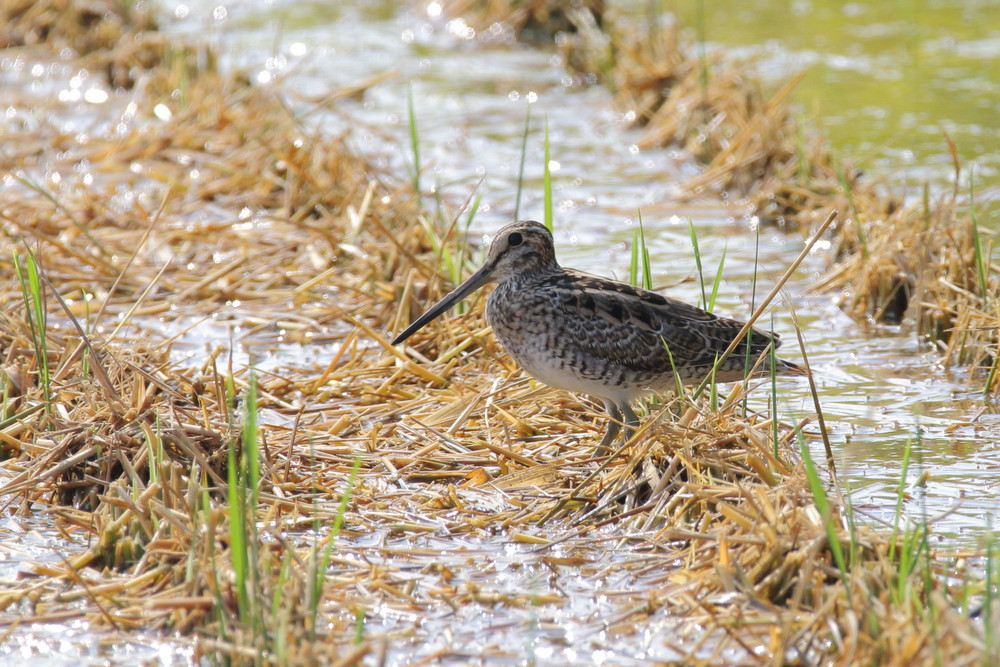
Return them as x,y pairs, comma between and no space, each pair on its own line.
583,333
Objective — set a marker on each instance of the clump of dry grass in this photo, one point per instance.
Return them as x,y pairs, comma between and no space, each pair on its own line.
119,39
83,26
927,263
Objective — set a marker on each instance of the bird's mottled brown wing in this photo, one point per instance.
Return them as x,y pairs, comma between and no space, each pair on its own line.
633,327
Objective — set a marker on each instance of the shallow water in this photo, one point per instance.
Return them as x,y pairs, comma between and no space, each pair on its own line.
888,79
879,389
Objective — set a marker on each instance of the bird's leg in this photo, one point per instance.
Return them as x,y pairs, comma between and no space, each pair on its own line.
631,420
614,426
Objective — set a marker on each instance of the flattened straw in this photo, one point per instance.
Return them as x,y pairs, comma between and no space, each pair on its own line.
386,345
211,278
496,449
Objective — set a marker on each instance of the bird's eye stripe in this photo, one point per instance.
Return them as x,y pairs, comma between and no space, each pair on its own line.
515,239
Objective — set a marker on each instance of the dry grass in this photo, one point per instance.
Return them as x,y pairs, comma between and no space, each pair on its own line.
231,214
921,262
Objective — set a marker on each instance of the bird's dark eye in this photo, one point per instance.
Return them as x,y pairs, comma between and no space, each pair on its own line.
515,239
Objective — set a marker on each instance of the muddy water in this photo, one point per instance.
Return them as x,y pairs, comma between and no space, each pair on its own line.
879,388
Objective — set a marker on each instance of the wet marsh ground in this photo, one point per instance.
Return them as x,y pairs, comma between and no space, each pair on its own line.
475,528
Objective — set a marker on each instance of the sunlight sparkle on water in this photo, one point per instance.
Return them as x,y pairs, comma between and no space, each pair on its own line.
460,28
95,96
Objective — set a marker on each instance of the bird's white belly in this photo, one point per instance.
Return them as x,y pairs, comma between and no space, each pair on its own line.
561,375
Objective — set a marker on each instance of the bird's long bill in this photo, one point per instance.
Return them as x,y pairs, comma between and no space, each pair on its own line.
475,281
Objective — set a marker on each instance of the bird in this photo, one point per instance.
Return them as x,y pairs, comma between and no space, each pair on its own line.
587,334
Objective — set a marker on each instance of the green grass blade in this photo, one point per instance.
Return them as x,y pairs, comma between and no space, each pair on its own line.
32,292
679,383
697,263
710,306
633,266
547,180
520,168
825,511
772,357
647,271
900,495
338,522
414,140
991,654
978,246
237,530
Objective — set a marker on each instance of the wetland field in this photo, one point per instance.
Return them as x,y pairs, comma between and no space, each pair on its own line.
216,218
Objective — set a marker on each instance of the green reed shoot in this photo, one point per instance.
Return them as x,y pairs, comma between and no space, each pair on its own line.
462,246
748,359
449,249
697,262
640,259
991,376
220,602
279,635
991,654
859,229
677,377
547,180
242,490
772,361
414,140
924,553
85,361
520,168
713,391
981,257
900,495
319,574
710,306
702,49
825,511
359,626
633,265
29,277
